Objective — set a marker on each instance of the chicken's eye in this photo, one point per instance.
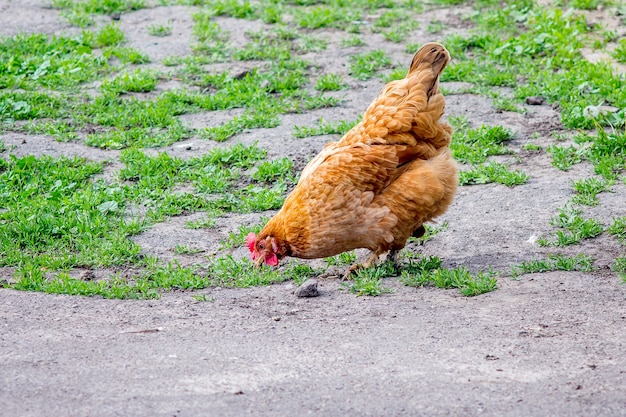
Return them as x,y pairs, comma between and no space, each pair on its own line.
262,245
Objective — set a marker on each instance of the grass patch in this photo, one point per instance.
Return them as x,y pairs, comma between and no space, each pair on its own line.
428,271
474,146
160,29
35,61
63,216
55,217
365,66
587,190
573,228
619,266
618,229
324,127
330,82
492,172
554,262
229,272
369,281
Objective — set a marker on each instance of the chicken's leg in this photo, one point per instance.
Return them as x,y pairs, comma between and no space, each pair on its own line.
373,258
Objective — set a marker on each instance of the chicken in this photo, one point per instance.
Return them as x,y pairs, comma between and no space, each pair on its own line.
377,185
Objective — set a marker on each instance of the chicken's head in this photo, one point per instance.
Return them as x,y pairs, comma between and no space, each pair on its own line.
262,250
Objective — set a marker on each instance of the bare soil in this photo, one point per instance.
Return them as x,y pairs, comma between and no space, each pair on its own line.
543,344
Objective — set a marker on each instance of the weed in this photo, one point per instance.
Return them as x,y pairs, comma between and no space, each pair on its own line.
352,40
587,190
606,151
619,266
279,170
158,29
307,43
369,281
618,229
186,250
323,16
554,262
620,51
323,128
234,8
565,157
396,74
139,81
492,172
212,40
475,145
428,270
206,223
330,82
364,66
203,298
68,220
249,120
229,272
573,227
431,232
531,147
435,26
343,259
507,104
109,35
33,61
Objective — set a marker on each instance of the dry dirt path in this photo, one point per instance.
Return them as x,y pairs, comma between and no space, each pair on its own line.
544,345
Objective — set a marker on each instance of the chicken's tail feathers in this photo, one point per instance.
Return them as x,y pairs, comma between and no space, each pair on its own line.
431,57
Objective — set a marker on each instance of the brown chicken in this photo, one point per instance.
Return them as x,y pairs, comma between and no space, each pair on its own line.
376,186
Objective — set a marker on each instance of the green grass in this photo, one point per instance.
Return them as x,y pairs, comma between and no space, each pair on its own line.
365,66
69,220
138,81
31,62
80,12
92,87
620,51
278,170
474,147
229,272
492,172
619,266
587,190
369,281
573,228
159,29
330,82
324,128
554,262
428,271
343,259
618,229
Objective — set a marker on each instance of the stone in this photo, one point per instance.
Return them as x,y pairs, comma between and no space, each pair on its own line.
307,289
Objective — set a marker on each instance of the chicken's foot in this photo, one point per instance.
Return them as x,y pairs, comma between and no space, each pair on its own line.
371,260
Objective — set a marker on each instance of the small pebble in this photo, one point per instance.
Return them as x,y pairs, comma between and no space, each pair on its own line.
307,289
534,100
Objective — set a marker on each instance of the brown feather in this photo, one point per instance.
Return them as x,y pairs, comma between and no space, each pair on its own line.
388,175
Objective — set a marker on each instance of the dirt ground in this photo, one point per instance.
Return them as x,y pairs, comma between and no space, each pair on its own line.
543,344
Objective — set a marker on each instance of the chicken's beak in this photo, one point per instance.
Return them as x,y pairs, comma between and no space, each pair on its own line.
259,262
